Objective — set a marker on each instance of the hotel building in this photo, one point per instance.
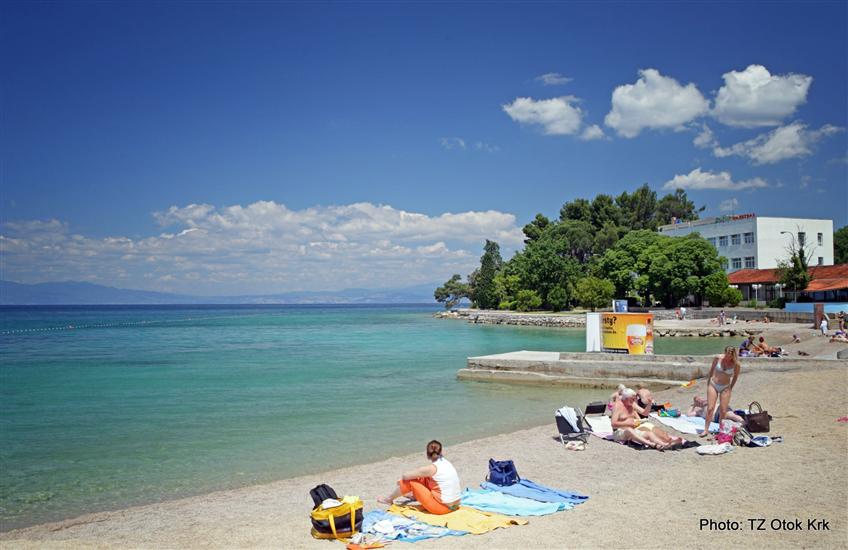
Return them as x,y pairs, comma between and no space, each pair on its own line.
752,242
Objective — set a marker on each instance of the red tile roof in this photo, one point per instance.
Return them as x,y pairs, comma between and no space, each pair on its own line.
823,277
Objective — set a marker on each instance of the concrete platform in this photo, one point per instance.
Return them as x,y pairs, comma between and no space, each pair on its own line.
607,370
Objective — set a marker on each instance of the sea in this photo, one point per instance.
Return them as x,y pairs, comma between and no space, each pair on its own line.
105,407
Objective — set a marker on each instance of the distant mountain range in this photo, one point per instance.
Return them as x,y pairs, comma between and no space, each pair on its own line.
77,293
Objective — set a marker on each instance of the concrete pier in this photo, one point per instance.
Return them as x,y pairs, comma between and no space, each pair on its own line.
607,370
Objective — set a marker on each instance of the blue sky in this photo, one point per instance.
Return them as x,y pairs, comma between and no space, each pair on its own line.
223,148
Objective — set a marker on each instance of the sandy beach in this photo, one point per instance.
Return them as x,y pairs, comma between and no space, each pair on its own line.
638,499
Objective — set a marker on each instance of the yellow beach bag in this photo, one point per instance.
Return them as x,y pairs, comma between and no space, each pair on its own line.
338,522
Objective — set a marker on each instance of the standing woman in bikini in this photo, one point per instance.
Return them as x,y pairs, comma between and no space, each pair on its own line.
724,373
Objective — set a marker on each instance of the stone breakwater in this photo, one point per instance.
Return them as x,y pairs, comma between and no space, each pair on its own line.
487,317
578,320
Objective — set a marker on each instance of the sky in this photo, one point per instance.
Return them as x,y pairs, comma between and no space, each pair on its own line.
217,148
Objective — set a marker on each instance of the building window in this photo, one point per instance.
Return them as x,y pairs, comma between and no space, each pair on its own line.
722,241
802,238
749,238
821,260
749,262
712,241
736,263
821,239
734,239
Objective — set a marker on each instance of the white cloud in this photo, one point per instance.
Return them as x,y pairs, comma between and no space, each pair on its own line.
705,139
487,147
557,116
754,97
654,102
262,247
592,132
729,205
452,143
553,79
790,141
696,179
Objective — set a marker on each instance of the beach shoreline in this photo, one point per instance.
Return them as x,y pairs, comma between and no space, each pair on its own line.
804,476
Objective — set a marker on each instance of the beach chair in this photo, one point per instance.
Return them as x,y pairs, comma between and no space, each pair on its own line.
565,428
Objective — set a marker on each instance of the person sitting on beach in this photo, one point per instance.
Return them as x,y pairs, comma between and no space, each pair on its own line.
796,339
435,486
699,408
747,347
766,319
629,426
763,348
645,400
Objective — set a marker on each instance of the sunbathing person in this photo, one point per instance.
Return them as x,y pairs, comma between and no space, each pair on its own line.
840,337
699,408
629,426
435,486
645,400
613,398
764,349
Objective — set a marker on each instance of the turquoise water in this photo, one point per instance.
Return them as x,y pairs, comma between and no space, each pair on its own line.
101,408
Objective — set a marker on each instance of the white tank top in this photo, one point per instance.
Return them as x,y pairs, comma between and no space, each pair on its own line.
448,480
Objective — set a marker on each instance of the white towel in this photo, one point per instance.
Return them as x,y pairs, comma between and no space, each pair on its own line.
692,425
571,415
719,449
601,425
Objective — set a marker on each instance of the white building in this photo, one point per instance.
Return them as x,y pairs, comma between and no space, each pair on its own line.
749,241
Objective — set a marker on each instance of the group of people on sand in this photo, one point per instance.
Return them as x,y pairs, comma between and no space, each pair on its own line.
629,408
436,485
758,348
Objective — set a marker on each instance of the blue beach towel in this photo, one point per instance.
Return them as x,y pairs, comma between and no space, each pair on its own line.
509,505
529,489
394,527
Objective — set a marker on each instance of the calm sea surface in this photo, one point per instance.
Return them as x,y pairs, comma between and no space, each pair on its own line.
106,407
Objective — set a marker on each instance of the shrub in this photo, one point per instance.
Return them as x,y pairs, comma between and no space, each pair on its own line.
592,292
752,304
558,298
732,296
526,300
777,303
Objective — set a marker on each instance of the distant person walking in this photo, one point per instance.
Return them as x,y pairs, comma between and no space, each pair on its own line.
841,319
823,326
722,317
682,313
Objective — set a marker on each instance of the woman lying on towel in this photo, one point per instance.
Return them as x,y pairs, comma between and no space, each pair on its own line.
699,408
629,426
435,486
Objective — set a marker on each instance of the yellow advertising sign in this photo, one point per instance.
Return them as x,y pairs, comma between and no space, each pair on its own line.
631,333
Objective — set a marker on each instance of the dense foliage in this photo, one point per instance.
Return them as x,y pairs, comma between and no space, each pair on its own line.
840,246
597,250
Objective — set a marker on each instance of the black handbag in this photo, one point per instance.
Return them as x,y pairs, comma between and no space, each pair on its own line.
757,421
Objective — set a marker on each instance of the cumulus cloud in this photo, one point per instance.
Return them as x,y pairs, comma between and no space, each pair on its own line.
754,97
261,247
654,102
486,147
556,116
729,205
697,179
592,132
452,143
790,141
553,79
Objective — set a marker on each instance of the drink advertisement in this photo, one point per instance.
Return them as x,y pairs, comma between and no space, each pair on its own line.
631,333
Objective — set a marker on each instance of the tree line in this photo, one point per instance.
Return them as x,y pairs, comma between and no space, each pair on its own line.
599,249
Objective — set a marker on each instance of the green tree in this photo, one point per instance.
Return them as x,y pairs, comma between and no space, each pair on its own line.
533,230
605,211
639,209
527,300
577,210
452,292
593,292
676,205
559,298
605,238
794,272
506,288
490,264
840,246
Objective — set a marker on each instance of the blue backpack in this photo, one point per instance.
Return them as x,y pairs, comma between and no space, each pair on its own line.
502,472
